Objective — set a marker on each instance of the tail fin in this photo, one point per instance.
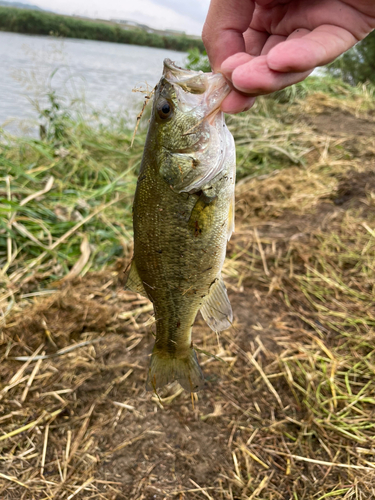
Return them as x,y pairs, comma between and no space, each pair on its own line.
165,369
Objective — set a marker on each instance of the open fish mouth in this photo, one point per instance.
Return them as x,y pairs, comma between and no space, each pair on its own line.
205,90
197,135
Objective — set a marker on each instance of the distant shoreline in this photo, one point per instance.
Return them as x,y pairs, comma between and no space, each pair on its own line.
35,22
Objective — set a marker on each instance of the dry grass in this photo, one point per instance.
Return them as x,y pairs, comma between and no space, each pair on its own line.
288,411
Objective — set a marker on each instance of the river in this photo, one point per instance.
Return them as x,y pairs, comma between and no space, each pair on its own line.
101,74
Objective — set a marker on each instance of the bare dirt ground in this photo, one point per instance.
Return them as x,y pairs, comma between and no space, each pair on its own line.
79,424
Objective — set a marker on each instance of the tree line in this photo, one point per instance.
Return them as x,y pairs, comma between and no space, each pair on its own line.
45,23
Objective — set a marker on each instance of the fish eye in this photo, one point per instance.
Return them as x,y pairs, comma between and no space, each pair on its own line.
164,109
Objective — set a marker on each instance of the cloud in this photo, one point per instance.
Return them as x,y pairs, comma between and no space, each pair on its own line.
195,9
162,14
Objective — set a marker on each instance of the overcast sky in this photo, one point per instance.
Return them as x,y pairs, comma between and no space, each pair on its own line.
183,15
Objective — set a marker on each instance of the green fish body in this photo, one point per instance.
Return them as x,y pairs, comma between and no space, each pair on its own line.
183,215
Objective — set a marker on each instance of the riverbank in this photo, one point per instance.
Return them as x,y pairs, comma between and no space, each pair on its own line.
288,411
45,23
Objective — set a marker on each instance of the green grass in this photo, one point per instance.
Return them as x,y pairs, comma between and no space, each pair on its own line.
91,167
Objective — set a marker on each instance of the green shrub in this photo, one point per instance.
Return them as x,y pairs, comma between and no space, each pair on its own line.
357,65
197,60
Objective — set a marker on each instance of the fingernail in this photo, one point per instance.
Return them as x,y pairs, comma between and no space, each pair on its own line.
250,105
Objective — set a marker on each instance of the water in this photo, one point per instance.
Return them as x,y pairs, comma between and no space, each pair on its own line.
102,73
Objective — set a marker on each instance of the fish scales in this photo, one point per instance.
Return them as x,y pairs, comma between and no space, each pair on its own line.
182,217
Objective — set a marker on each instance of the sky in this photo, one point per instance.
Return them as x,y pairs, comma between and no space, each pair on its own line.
182,15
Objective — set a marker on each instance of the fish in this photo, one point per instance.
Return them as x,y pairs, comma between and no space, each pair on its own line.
183,216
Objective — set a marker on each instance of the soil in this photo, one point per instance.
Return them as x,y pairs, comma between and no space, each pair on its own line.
340,123
128,444
354,187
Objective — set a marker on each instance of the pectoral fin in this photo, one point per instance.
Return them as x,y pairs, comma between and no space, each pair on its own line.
202,215
133,281
216,310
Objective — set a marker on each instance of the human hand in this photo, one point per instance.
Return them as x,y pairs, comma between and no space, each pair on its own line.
266,45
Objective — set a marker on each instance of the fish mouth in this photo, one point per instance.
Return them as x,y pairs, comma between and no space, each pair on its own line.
189,80
207,89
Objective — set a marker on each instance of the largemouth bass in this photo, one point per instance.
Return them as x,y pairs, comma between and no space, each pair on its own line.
183,215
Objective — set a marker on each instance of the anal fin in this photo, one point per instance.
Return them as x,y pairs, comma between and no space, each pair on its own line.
134,282
216,310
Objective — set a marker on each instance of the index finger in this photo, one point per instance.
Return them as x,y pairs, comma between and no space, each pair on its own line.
224,27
